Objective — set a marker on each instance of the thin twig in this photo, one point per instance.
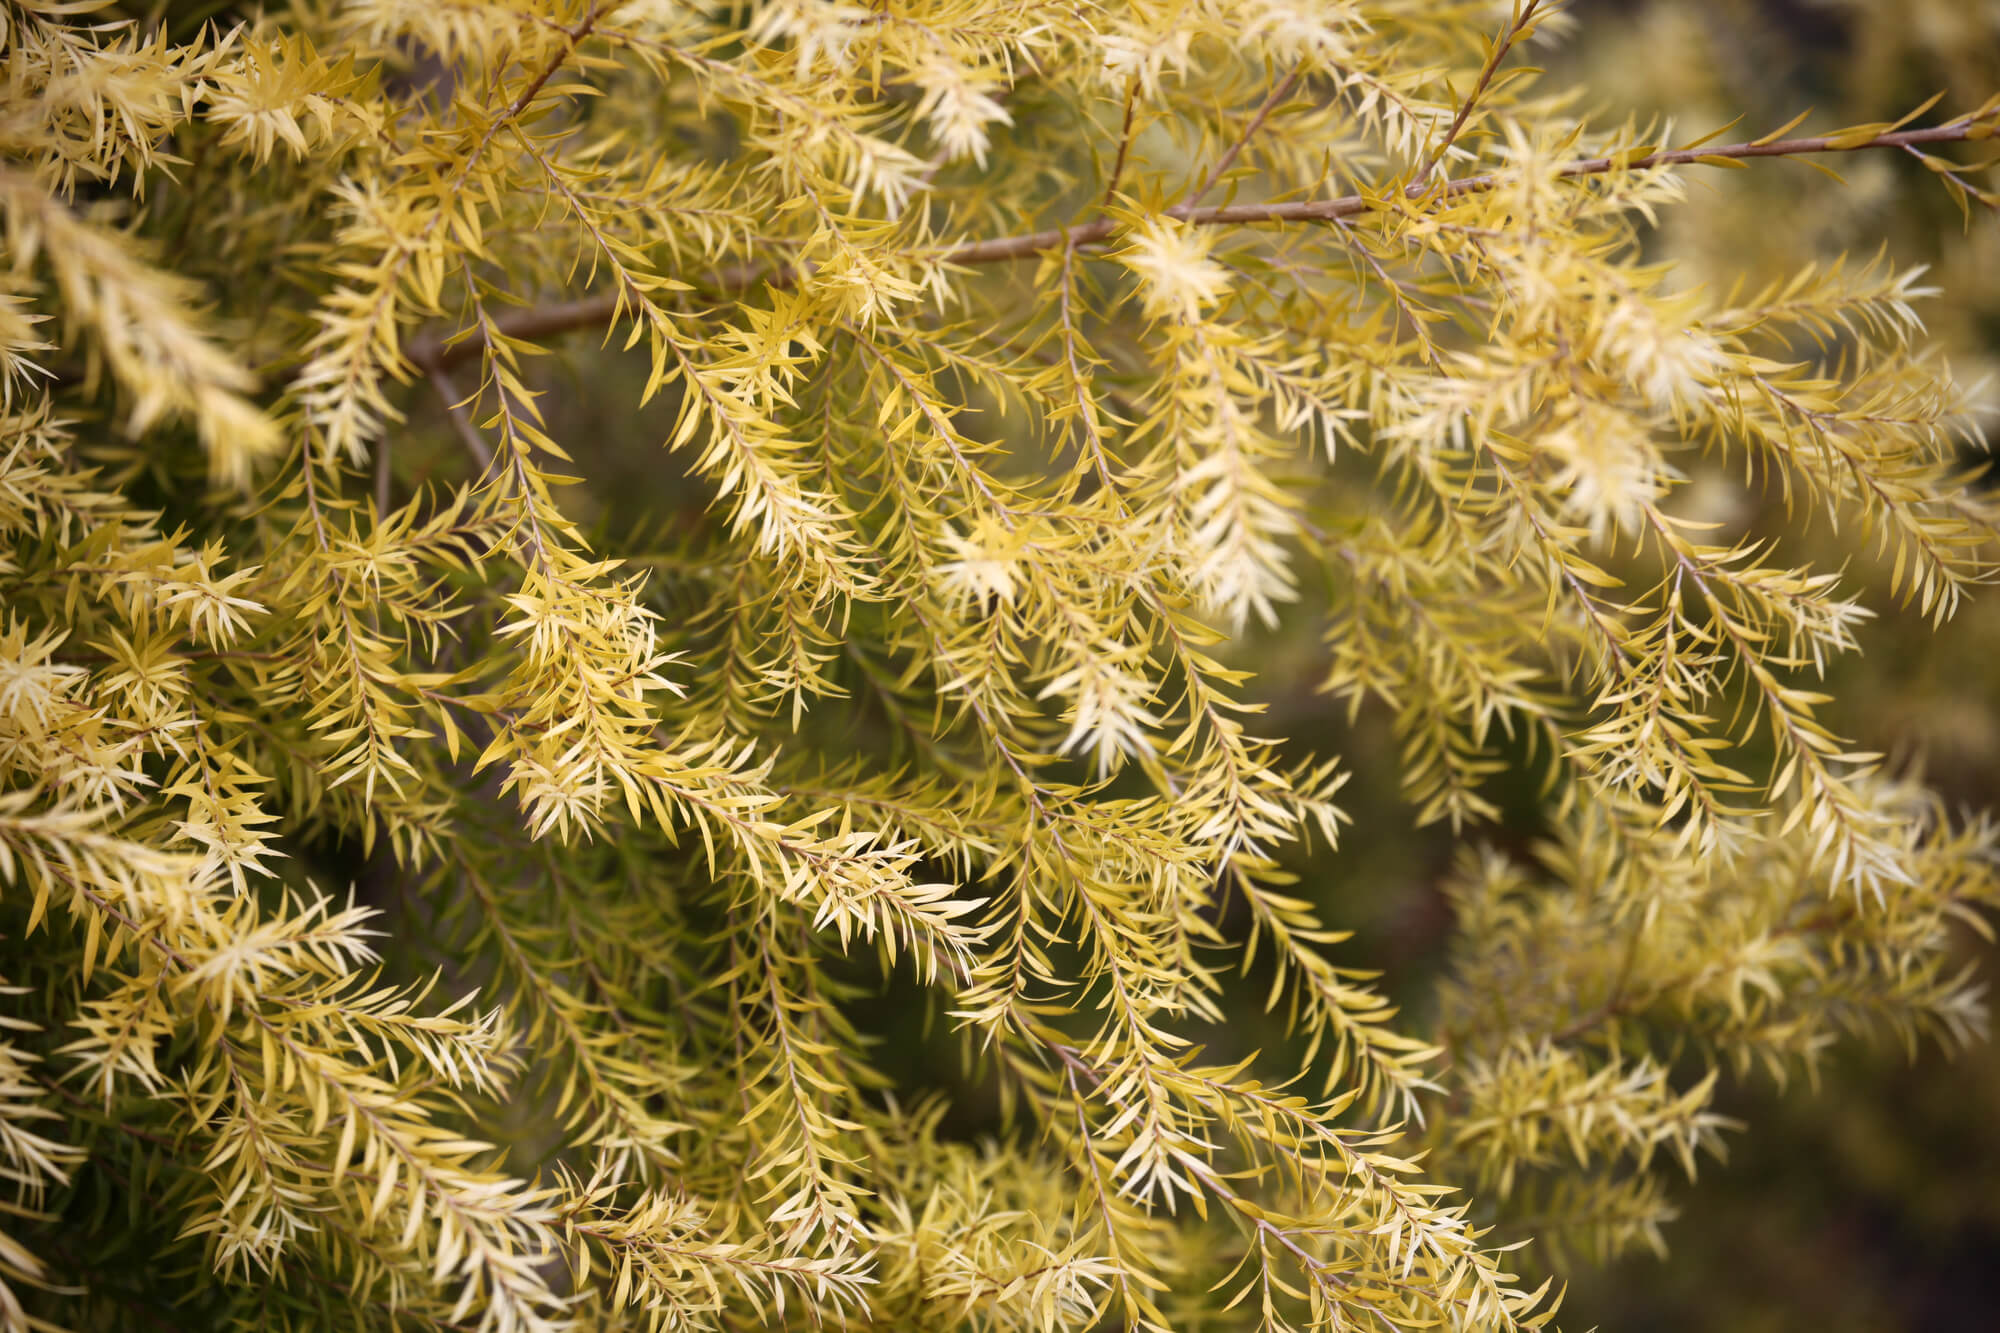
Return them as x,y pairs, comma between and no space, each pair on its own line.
543,321
454,406
1505,43
382,478
1972,192
1124,143
1228,159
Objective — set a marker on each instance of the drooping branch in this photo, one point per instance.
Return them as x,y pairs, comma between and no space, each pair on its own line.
545,321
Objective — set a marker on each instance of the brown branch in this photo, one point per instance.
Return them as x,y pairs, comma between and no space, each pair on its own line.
454,407
1971,191
1124,142
542,321
1523,18
382,478
1228,159
1327,210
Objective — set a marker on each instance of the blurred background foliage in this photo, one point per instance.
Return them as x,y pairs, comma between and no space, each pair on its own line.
1872,1200
1867,1201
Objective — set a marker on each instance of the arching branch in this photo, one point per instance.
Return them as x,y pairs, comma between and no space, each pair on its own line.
547,321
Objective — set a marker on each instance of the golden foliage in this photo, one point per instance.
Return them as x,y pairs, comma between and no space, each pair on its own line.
1009,435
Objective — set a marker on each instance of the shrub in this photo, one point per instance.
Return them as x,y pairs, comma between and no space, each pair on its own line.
1017,369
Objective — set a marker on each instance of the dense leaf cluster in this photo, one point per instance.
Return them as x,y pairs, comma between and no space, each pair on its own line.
1024,359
